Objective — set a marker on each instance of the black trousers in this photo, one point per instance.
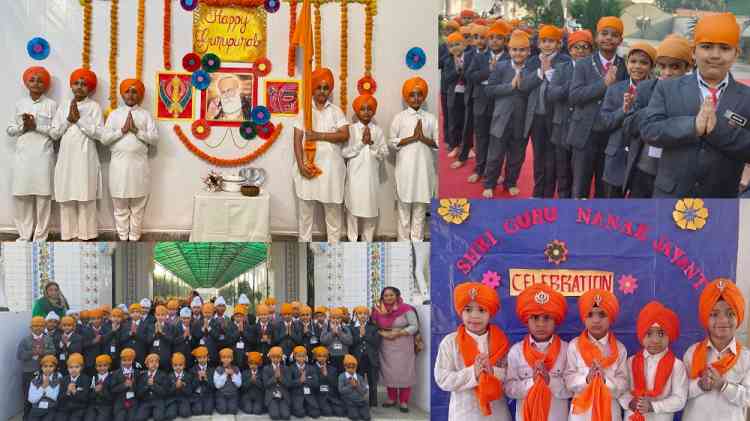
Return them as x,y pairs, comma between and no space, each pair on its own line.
202,405
357,411
330,407
121,414
544,157
563,171
482,127
49,416
444,112
226,404
467,135
455,122
99,413
515,150
249,405
305,406
641,184
588,166
177,408
371,372
75,415
150,409
25,383
278,409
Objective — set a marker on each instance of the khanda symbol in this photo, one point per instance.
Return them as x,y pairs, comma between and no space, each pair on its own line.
175,95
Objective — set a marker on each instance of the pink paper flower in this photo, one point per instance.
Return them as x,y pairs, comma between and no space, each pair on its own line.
628,284
491,279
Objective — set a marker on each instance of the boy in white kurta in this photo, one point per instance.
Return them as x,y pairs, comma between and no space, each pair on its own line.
471,362
34,156
658,381
719,366
319,170
414,136
536,364
129,131
364,151
595,368
78,179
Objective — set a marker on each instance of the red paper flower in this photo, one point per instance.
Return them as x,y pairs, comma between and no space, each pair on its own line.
191,62
262,66
491,279
200,129
556,252
627,284
367,85
265,130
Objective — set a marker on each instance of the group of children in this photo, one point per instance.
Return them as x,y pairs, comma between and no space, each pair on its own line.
597,121
337,162
132,363
591,378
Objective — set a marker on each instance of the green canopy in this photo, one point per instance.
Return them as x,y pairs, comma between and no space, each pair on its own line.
209,265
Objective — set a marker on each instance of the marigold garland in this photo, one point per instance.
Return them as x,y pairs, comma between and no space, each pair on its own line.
86,52
167,42
224,162
317,35
292,27
369,13
141,28
237,3
113,34
344,45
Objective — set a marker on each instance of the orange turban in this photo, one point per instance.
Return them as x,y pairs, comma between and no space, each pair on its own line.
320,350
286,308
254,357
349,359
550,32
656,313
299,349
207,310
173,304
75,359
466,13
200,352
151,357
519,39
337,312
483,295
583,35
646,48
48,359
320,310
464,30
161,310
479,29
127,83
721,288
454,38
240,309
452,24
95,313
305,311
127,354
275,351
601,298
103,359
37,321
262,310
675,46
610,22
296,305
413,83
37,70
178,358
226,352
541,299
361,309
68,321
116,312
270,301
721,28
87,75
322,75
501,28
361,100
84,314
135,307
344,310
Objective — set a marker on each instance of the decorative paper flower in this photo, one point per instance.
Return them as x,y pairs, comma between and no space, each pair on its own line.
261,115
213,181
690,214
247,130
367,85
272,6
627,284
416,58
491,279
201,79
38,48
191,62
189,5
265,131
556,252
454,211
200,129
211,62
262,66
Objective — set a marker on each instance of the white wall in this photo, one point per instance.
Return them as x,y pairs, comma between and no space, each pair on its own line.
13,327
176,172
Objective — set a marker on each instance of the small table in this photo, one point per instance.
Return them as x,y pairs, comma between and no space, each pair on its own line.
230,216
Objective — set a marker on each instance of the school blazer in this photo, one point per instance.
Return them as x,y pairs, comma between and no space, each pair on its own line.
709,166
558,90
25,352
478,75
610,121
78,401
75,345
202,388
285,341
311,380
631,127
185,392
166,343
271,384
371,340
92,350
351,394
105,397
184,345
533,102
156,391
452,76
119,389
587,90
253,388
442,54
140,341
331,379
509,102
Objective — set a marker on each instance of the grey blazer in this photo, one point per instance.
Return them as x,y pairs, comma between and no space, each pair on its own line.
25,353
631,127
534,96
478,73
557,94
610,121
509,102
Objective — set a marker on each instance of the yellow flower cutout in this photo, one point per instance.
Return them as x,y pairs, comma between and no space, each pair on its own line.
454,211
690,214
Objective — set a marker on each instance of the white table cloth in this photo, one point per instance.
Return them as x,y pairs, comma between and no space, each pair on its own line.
229,216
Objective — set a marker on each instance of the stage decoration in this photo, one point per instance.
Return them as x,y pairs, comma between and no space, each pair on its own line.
210,62
167,41
201,79
283,97
262,67
261,115
627,284
247,130
200,129
265,131
454,211
318,49
86,52
114,26
213,181
189,5
223,162
371,8
191,62
491,279
272,6
234,30
139,45
229,97
292,25
556,252
367,85
690,214
344,60
415,58
38,48
174,96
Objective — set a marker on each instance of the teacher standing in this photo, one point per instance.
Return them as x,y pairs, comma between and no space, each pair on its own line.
53,300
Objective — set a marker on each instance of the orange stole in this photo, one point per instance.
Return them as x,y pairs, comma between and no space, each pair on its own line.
490,388
539,399
663,373
700,355
596,396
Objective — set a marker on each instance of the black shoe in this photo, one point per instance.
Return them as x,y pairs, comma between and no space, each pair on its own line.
403,409
389,404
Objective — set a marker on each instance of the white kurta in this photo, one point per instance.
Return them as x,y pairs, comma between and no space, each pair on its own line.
616,376
34,158
671,400
520,379
453,376
328,187
727,405
363,170
78,172
129,172
416,175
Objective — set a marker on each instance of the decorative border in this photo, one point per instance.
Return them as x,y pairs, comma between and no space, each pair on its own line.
240,70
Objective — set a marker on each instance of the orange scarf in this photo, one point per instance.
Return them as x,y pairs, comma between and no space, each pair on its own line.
489,388
539,399
700,356
596,396
663,373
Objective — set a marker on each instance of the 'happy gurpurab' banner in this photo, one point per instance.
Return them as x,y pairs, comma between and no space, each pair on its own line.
235,34
570,283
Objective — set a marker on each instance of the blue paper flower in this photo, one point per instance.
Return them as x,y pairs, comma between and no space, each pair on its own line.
272,6
261,115
211,62
247,130
38,48
201,79
189,5
415,58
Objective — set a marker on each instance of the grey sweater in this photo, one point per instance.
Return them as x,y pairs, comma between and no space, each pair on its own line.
25,353
352,394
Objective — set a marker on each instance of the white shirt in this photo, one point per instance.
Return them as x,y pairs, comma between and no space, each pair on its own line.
727,405
78,172
328,187
129,172
606,62
616,375
451,375
37,393
671,400
415,171
703,85
520,379
363,170
220,379
34,158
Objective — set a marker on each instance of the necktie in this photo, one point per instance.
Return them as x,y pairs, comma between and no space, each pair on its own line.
714,94
606,67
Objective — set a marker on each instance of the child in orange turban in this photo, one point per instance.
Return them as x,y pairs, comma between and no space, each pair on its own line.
152,385
275,379
536,364
719,365
657,327
41,397
74,390
596,373
253,393
129,132
353,390
471,363
100,395
227,380
303,380
181,388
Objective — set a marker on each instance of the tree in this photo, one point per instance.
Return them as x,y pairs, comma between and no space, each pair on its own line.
672,5
588,12
543,11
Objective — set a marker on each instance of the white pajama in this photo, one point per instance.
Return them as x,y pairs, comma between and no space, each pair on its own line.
356,226
671,400
129,217
411,221
78,220
24,216
332,215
